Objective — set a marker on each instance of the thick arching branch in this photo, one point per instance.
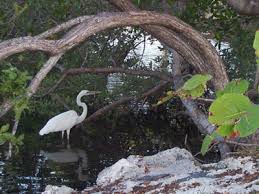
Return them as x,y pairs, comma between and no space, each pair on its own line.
124,100
63,26
245,7
204,61
111,20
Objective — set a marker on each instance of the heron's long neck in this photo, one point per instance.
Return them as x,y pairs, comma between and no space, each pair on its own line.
84,106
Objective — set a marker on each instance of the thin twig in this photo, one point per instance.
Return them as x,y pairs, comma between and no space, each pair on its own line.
242,144
210,148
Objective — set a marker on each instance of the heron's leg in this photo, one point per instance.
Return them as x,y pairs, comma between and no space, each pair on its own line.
62,135
68,132
68,144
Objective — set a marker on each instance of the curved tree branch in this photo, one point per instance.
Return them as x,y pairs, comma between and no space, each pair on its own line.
63,26
124,100
111,20
245,7
203,62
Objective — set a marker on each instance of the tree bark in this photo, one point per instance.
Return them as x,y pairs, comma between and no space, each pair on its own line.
124,100
245,7
214,63
204,60
198,117
180,36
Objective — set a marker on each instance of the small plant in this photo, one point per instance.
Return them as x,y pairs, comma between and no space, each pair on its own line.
5,136
13,84
233,114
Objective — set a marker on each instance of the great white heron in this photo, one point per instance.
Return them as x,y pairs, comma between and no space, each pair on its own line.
66,120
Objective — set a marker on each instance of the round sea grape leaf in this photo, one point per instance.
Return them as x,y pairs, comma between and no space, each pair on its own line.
249,122
225,130
228,108
196,81
235,86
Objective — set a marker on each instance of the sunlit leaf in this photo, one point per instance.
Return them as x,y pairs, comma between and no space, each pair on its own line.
207,141
4,128
169,95
229,107
197,92
225,130
256,41
249,122
235,86
163,100
196,81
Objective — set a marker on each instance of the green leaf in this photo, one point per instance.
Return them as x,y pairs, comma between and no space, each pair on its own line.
20,106
169,95
197,92
225,130
207,141
196,81
235,86
256,41
249,122
2,140
229,107
4,128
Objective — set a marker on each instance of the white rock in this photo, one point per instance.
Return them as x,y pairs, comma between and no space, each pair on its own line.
58,190
117,171
175,171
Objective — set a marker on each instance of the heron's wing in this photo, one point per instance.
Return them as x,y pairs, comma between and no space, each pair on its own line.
60,122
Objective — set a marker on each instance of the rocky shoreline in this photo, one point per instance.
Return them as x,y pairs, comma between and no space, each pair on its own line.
173,171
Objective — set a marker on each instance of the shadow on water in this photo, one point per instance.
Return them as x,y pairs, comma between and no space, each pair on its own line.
45,160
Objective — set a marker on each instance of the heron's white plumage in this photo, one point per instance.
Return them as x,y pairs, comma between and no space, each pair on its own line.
65,121
61,122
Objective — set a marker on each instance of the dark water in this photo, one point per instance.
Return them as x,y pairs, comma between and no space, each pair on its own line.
43,161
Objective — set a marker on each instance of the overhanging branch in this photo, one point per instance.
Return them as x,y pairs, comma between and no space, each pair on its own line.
79,71
124,100
185,39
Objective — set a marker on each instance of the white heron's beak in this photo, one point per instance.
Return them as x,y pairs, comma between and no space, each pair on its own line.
41,133
93,92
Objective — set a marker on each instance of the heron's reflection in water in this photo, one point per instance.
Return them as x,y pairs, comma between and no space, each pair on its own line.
70,156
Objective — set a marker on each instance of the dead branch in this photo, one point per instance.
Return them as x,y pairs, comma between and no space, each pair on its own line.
124,100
